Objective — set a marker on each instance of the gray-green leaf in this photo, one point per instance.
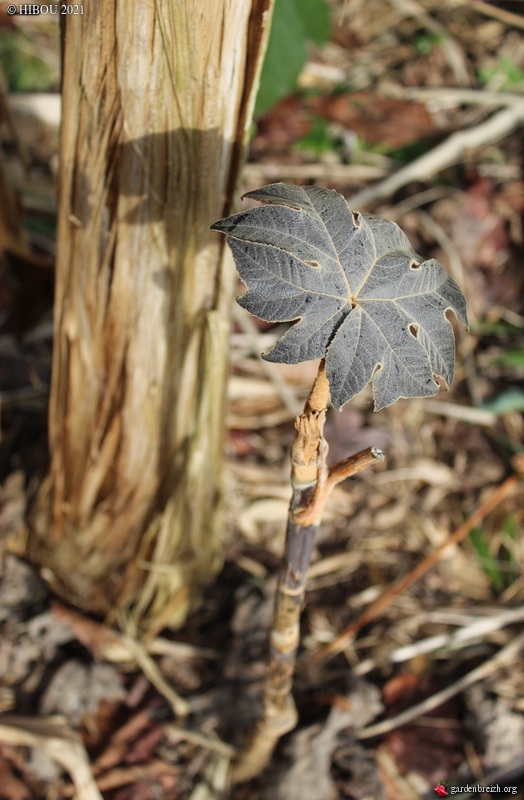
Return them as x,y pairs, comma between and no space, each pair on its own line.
360,294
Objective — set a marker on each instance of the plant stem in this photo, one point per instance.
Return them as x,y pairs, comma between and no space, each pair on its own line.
312,483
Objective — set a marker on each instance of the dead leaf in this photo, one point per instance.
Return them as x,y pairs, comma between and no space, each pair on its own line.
477,230
311,749
388,121
21,588
76,689
11,787
287,122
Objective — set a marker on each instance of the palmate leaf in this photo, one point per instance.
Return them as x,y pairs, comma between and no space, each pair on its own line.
359,293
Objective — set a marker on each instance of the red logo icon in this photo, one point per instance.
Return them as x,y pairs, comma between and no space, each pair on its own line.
440,789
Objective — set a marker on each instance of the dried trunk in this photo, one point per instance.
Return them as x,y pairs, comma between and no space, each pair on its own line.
157,100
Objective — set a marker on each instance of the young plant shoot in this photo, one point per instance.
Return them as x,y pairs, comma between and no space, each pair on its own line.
372,310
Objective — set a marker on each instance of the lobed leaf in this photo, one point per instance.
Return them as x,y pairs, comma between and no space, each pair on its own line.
355,288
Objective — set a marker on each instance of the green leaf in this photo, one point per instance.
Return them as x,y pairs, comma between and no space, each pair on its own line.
357,291
511,527
488,563
501,567
510,400
500,328
318,139
424,44
511,358
507,68
315,18
24,69
294,23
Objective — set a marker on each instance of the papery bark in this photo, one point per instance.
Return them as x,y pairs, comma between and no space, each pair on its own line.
157,102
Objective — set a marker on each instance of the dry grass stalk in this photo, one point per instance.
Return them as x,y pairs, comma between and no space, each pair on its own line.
381,604
503,14
506,655
443,155
476,630
60,743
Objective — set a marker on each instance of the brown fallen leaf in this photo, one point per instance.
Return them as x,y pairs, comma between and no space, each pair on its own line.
386,121
76,690
11,787
477,230
287,122
312,749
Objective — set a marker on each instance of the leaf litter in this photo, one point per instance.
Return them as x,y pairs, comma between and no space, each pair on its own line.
377,528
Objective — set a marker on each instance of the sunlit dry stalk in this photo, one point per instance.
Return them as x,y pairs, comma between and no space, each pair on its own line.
312,483
130,516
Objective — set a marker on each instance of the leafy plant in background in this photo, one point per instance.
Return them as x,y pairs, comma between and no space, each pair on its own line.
509,400
319,139
371,309
294,24
500,565
23,65
509,338
512,398
508,74
425,43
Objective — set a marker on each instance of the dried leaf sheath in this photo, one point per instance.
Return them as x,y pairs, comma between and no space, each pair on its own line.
157,101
